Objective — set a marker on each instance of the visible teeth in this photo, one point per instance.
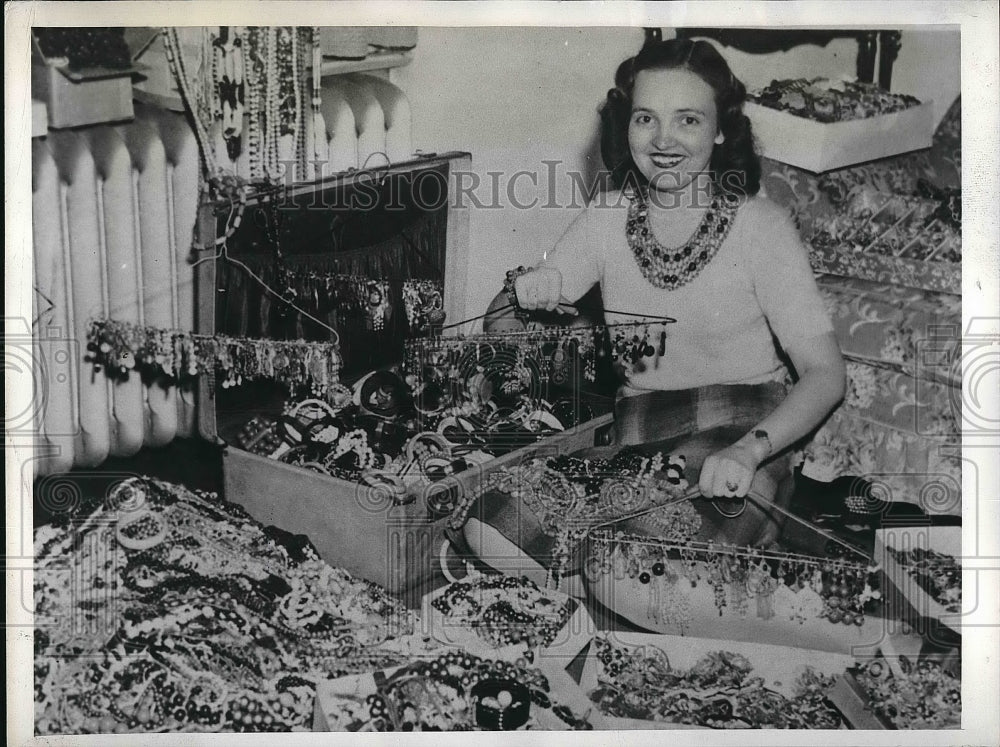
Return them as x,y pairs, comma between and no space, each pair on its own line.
666,161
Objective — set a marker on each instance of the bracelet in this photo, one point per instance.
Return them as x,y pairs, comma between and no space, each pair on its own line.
508,288
147,530
501,705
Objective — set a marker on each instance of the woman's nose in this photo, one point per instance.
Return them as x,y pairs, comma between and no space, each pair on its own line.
663,138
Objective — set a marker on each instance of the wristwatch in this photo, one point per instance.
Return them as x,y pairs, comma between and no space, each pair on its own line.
762,441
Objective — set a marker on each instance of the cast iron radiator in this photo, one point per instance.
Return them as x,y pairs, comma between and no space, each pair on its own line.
113,214
113,210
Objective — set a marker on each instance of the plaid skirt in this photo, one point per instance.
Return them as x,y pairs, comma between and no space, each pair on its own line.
699,422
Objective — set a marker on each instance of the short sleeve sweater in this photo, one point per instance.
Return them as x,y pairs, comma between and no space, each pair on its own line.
759,286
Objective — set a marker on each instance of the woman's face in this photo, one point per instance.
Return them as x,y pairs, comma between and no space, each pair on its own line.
673,127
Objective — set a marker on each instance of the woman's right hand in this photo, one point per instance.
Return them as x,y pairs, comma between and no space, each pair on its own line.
541,288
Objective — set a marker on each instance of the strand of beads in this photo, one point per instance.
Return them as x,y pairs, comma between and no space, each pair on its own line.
318,124
253,71
175,60
298,129
272,101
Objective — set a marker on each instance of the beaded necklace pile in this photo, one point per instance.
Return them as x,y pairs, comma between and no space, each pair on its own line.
673,268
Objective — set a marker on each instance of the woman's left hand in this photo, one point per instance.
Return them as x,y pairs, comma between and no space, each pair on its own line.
729,473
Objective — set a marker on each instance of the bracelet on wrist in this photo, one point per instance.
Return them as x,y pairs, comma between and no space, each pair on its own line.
511,291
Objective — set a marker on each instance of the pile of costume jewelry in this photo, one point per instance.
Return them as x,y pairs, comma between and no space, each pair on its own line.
455,692
719,691
921,696
905,226
381,434
825,100
170,610
504,610
569,496
783,585
938,574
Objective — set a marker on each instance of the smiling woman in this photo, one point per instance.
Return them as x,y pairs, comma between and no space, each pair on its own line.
673,128
687,235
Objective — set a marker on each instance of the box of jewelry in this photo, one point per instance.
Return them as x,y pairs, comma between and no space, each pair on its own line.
82,75
820,124
458,691
916,693
370,462
484,613
923,566
697,682
906,240
372,528
685,588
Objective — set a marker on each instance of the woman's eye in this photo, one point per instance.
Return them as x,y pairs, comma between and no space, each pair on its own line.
642,119
689,120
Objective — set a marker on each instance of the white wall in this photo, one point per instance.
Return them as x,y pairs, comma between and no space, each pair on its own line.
929,66
515,97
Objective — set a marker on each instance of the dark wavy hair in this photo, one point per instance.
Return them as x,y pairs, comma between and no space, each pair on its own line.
736,155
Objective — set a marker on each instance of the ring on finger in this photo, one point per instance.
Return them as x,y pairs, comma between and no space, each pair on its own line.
731,486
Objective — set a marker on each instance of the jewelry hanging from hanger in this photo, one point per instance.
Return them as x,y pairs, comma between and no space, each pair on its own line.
377,306
121,347
421,299
798,588
255,74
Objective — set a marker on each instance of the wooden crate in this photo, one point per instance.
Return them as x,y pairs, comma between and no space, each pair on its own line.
351,527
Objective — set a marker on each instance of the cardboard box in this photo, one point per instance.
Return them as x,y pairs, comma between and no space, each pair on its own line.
845,261
917,604
823,146
852,702
83,97
779,666
640,604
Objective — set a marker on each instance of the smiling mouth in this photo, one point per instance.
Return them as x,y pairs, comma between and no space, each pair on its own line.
665,160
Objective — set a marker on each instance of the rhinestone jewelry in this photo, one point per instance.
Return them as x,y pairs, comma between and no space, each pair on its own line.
672,268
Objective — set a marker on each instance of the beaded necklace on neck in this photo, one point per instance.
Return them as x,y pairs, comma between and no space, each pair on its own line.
672,268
